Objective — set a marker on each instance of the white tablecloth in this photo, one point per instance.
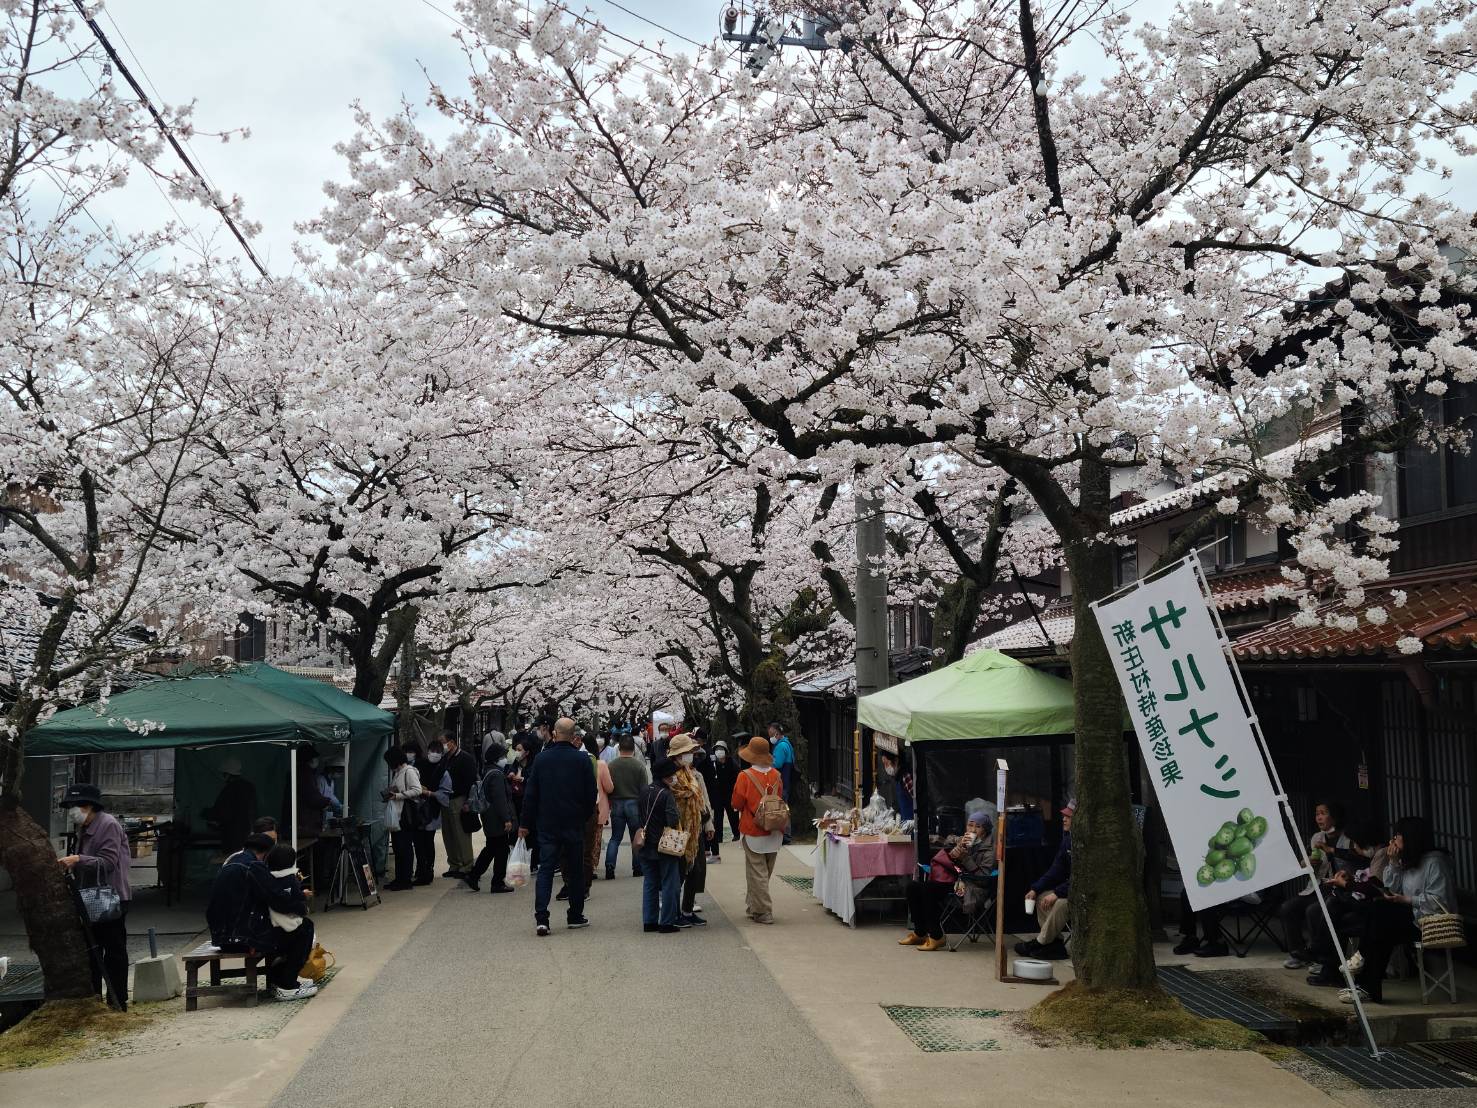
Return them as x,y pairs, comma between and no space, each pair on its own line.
834,885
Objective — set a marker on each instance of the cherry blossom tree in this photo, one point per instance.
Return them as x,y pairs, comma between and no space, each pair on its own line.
944,240
105,405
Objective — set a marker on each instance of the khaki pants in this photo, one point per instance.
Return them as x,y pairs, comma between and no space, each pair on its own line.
757,870
458,843
1054,922
593,834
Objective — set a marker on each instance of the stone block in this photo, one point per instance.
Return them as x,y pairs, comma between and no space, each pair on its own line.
157,978
1452,1027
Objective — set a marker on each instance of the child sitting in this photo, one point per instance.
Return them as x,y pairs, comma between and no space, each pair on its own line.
282,862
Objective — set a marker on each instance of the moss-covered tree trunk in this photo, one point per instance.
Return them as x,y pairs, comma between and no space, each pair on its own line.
1110,927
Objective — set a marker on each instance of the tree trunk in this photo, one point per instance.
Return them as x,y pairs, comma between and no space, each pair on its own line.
45,902
958,612
1110,926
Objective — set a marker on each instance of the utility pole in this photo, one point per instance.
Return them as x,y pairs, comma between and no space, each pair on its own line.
872,669
767,34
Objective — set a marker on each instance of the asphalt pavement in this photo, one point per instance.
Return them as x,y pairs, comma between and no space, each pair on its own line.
476,1010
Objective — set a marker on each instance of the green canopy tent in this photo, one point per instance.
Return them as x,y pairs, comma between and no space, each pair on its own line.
252,704
987,695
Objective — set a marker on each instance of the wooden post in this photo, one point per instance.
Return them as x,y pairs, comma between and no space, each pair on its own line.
856,767
1002,772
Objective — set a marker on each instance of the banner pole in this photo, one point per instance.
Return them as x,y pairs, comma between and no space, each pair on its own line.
1002,774
1289,821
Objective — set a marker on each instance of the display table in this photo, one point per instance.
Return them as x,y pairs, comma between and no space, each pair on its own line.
844,868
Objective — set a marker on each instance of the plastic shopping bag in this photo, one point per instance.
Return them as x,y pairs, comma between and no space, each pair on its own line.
519,862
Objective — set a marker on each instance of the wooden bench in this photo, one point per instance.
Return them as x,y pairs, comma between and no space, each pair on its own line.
207,955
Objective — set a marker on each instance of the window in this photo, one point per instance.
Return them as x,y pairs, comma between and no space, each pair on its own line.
1127,569
901,637
1446,477
250,643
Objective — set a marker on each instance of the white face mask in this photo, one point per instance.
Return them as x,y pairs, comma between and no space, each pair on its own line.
721,755
410,759
77,815
433,758
684,759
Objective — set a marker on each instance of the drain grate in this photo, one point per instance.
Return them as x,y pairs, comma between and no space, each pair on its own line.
800,884
23,983
1399,1068
942,1030
1212,1001
1459,1054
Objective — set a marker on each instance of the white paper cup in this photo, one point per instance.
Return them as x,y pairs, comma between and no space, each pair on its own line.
1031,906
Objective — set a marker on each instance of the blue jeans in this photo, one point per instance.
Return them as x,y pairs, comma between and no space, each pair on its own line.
624,820
564,847
661,887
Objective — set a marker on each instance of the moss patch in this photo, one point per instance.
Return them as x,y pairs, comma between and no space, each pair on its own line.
1115,1019
60,1029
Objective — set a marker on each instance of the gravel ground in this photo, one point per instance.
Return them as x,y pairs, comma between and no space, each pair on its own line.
475,1009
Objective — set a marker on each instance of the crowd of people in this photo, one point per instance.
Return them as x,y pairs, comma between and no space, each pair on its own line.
558,791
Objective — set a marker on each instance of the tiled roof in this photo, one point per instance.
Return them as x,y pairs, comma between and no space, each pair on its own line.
1440,610
1180,500
1233,592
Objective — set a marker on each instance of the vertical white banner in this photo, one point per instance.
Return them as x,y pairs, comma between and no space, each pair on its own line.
1197,737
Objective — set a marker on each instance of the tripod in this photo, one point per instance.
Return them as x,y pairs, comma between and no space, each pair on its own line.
352,873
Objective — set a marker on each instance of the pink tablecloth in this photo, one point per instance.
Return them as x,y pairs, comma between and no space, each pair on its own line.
882,860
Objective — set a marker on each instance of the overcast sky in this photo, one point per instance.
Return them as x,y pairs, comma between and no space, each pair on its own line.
289,72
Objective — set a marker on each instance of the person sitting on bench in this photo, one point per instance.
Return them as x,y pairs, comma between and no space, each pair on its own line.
974,854
1050,893
241,898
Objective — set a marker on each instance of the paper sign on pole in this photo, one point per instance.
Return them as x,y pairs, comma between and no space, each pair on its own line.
1198,740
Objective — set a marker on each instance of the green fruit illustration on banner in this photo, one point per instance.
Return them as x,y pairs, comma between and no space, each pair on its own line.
1232,849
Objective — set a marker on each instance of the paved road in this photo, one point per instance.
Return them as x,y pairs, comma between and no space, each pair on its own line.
476,1010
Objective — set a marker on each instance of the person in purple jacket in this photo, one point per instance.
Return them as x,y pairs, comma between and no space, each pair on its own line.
102,857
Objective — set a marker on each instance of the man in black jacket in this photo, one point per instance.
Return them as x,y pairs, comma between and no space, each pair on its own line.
454,836
237,914
558,800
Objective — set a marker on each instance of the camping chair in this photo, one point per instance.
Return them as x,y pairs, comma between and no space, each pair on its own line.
1245,919
971,926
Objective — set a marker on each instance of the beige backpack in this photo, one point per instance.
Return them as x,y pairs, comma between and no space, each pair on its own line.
772,814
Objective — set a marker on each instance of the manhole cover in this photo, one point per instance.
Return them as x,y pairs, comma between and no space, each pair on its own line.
938,1030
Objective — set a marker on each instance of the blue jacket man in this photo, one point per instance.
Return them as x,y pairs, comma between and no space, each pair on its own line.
784,761
1050,893
558,800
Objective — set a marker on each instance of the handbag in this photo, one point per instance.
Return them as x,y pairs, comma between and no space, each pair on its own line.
318,963
471,822
101,902
1442,930
673,842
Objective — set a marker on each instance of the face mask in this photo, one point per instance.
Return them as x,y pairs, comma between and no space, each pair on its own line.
722,755
684,759
433,758
77,815
410,759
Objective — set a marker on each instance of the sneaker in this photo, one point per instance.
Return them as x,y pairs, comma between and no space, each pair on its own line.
684,922
1052,952
563,893
698,908
304,990
1213,950
1346,996
695,921
1187,945
763,919
576,923
714,860
503,888
1294,963
1028,949
667,929
542,930
472,882
610,875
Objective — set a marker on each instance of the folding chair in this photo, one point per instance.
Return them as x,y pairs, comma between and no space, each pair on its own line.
972,926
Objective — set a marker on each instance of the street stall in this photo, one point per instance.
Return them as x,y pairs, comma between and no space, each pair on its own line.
957,723
237,735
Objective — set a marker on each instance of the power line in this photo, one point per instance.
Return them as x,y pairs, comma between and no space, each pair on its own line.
168,134
654,23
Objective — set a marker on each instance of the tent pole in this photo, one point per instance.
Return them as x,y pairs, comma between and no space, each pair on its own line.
344,805
292,791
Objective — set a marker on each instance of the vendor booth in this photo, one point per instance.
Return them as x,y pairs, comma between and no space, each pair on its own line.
954,724
239,738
